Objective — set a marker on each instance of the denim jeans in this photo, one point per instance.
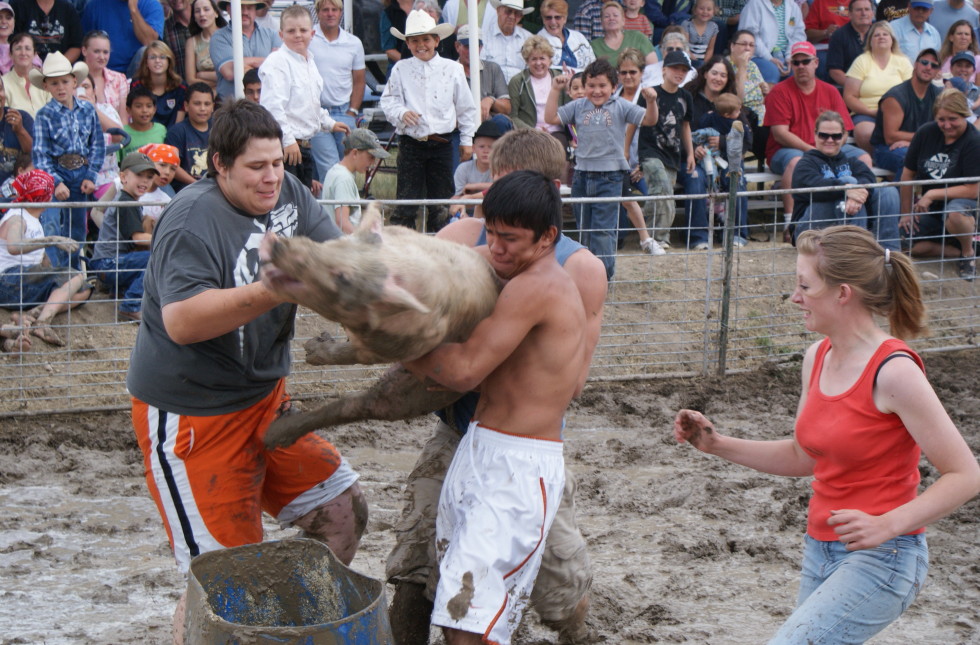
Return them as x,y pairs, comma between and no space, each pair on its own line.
879,215
73,220
328,147
123,276
51,223
599,222
696,210
893,160
849,596
424,172
768,69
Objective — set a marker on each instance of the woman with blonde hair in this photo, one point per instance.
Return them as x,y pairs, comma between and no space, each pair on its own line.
881,67
157,72
866,413
616,37
205,20
942,221
21,94
571,47
529,89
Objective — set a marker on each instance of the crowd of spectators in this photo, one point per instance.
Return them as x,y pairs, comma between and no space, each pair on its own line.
152,73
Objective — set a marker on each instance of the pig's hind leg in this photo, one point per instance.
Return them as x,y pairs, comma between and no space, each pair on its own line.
396,396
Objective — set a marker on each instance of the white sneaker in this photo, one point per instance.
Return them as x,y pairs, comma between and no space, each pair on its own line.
650,246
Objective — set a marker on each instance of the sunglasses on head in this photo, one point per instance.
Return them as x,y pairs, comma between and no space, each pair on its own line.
929,63
833,136
800,62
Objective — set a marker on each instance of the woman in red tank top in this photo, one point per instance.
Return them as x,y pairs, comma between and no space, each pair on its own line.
862,422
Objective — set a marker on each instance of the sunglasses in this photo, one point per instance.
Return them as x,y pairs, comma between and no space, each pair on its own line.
833,136
629,72
800,62
928,63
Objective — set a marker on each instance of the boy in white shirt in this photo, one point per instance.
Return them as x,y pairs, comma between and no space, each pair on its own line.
426,98
361,148
291,87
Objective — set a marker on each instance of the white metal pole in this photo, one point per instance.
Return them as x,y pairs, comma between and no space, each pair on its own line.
474,22
237,50
349,15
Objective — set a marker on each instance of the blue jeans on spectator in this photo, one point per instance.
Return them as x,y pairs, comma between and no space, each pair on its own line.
599,222
849,596
73,220
879,215
696,210
770,73
123,275
328,147
51,223
888,159
742,205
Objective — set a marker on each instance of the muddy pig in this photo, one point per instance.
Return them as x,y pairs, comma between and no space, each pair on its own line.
398,294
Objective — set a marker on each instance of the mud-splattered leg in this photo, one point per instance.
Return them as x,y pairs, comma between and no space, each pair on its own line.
339,523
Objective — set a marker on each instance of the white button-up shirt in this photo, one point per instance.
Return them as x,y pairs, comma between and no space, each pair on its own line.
291,88
437,90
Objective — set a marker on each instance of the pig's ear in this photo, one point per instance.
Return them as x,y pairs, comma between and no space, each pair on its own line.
396,296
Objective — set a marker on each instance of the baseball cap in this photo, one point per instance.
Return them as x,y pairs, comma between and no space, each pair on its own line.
491,129
137,162
964,57
958,83
161,153
923,4
34,186
5,6
802,47
364,139
677,58
463,35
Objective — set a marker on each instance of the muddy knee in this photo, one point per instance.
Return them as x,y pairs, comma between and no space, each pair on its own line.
339,523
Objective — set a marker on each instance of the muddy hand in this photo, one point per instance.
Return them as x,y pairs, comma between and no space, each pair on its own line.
694,428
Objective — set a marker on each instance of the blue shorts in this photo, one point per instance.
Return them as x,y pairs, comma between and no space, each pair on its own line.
862,118
783,156
932,226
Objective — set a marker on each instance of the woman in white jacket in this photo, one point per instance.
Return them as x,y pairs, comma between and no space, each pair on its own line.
763,18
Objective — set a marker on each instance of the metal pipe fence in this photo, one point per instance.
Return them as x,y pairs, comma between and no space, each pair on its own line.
662,318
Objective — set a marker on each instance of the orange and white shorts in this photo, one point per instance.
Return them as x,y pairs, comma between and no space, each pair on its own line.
497,504
211,477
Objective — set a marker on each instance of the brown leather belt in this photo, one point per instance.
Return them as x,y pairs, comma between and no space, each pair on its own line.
438,138
71,161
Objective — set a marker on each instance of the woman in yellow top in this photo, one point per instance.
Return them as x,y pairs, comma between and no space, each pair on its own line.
881,67
21,95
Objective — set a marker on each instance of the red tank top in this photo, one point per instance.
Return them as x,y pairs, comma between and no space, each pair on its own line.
865,460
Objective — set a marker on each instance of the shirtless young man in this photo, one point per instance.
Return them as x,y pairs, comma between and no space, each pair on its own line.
529,359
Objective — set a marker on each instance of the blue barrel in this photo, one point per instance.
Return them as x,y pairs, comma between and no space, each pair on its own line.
290,592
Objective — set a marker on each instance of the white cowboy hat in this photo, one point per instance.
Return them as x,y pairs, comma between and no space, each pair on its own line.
512,4
419,23
57,65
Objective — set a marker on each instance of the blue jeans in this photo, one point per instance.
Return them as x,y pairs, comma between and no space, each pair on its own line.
849,596
599,222
893,160
328,147
73,220
696,210
124,274
770,73
879,215
51,223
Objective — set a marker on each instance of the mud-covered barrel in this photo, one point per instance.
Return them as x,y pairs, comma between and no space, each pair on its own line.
287,592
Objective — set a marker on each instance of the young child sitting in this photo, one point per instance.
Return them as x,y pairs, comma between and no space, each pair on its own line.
142,129
963,66
601,167
22,163
190,136
68,145
361,148
166,160
702,31
472,178
728,109
120,256
27,281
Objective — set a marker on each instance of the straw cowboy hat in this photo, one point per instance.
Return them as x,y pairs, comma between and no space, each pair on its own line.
419,23
259,4
512,4
57,65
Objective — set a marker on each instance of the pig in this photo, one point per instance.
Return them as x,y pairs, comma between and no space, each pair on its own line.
399,294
